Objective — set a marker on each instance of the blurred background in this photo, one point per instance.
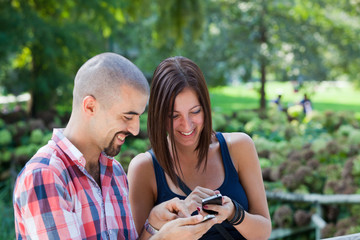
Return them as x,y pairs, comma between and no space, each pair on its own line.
260,59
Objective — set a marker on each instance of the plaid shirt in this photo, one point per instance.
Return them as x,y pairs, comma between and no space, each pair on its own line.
56,198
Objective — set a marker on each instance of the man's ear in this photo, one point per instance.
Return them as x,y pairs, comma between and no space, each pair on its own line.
89,105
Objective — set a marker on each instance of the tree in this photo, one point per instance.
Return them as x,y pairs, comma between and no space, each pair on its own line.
52,39
283,40
42,43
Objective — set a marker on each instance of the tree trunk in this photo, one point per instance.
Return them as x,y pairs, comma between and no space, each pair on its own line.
262,88
34,88
263,60
32,107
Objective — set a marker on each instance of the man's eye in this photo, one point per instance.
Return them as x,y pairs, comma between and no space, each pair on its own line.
128,118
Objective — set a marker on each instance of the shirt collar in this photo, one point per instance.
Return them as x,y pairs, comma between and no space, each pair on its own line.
67,147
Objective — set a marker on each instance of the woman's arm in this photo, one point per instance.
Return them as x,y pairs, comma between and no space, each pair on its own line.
142,188
257,222
172,217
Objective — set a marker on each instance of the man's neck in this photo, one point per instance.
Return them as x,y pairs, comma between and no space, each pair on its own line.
94,170
78,135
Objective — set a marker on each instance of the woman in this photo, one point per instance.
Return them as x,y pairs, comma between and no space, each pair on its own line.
190,161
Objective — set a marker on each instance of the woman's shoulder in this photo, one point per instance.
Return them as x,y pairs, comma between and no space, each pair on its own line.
140,162
237,138
241,148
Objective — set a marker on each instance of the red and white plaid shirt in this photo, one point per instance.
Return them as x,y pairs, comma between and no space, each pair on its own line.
56,198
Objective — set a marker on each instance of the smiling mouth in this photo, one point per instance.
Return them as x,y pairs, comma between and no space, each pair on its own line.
121,138
187,133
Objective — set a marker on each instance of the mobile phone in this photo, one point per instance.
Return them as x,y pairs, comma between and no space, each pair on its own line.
208,217
216,199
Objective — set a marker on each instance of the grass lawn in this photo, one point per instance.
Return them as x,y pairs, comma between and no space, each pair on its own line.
336,96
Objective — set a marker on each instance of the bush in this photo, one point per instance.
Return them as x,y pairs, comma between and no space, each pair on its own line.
5,137
319,155
36,136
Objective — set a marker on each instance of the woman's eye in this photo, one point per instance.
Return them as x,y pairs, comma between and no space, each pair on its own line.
197,111
128,118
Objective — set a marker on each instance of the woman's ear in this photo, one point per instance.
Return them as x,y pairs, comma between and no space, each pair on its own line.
89,105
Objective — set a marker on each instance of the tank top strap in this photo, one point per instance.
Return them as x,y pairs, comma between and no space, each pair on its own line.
223,147
230,171
159,172
164,192
160,175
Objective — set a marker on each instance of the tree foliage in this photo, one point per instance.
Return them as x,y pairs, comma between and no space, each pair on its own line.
281,40
42,43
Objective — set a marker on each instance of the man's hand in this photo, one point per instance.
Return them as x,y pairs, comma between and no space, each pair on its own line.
185,228
168,211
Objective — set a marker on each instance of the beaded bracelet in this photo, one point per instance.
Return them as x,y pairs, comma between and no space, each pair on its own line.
149,228
239,214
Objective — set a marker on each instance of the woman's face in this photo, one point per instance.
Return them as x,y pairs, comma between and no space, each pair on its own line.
188,118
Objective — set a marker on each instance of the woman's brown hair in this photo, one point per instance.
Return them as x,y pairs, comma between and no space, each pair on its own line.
169,79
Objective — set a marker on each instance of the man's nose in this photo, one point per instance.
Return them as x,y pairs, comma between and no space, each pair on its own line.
134,127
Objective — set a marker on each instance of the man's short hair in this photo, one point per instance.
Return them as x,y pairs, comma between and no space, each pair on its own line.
102,75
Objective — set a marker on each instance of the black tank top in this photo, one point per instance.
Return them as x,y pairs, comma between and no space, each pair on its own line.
231,187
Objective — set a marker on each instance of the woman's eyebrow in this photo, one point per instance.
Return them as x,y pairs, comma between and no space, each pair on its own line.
191,108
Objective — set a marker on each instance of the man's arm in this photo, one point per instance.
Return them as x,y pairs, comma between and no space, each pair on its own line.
42,207
174,221
184,228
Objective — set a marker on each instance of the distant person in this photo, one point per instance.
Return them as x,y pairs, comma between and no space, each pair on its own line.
190,161
73,188
278,102
306,104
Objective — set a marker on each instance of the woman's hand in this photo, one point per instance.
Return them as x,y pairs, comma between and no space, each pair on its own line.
193,200
225,211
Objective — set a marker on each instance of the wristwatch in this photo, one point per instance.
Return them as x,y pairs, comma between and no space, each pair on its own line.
150,229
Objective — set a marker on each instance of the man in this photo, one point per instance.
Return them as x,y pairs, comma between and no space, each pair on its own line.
72,188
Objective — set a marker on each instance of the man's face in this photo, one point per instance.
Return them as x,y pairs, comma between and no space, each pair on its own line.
121,119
